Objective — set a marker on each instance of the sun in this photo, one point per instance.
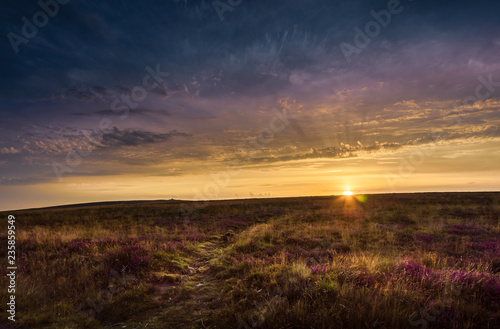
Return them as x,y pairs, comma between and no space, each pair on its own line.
347,193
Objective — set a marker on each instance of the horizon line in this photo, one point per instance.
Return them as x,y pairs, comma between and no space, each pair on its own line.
117,202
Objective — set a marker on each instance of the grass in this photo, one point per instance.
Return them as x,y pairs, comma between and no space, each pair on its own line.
391,261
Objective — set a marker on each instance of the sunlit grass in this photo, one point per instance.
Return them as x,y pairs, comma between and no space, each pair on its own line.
347,262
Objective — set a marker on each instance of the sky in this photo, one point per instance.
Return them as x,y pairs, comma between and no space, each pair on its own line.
198,100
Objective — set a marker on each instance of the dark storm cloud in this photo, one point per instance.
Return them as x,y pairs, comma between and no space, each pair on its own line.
117,138
109,43
61,140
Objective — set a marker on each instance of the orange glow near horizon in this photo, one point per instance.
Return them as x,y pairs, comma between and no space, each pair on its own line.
305,177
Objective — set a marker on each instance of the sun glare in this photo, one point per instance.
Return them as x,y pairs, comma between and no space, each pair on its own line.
347,193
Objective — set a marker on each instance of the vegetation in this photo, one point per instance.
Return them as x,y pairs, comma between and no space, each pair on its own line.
381,261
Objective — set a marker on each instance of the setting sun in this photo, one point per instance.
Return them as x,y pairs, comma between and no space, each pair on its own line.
347,193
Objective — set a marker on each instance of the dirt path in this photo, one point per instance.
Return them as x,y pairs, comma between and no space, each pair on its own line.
199,291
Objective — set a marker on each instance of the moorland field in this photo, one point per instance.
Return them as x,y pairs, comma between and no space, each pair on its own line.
427,260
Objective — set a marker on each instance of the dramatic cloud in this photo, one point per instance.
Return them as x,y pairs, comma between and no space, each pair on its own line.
180,91
117,137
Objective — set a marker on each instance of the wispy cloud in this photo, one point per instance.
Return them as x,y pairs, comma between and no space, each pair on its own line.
118,138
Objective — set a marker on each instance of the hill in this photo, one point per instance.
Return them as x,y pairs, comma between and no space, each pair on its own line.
376,261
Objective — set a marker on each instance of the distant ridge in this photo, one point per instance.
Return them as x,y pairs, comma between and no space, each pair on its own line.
102,203
111,203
